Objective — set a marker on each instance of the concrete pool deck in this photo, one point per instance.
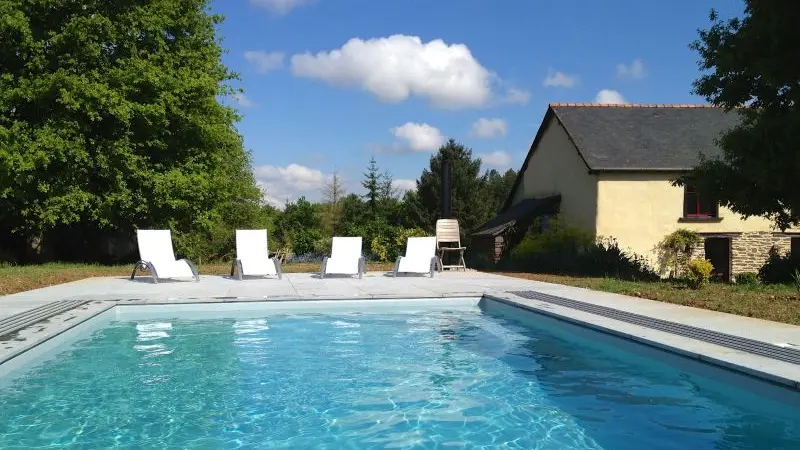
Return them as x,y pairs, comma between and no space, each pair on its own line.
106,292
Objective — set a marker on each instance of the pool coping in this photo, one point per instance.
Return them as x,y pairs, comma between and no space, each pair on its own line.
766,369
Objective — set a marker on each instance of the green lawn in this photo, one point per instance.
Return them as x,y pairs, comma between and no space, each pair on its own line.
780,303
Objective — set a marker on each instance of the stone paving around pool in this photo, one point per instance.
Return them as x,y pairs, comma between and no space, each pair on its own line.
106,292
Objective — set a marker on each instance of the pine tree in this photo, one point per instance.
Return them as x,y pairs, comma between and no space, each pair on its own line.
372,183
333,192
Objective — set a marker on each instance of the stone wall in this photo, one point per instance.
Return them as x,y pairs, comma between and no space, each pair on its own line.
749,251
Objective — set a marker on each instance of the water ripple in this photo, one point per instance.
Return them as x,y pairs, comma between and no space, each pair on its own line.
437,380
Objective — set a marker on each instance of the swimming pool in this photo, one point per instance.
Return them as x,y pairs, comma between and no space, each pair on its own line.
393,375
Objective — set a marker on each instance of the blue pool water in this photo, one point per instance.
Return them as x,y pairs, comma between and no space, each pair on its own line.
438,379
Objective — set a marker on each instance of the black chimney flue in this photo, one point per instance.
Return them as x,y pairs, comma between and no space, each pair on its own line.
447,171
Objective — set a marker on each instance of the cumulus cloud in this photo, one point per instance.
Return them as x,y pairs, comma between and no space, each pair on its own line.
489,128
403,185
397,67
264,61
633,70
515,96
243,101
289,183
419,137
280,6
559,79
497,159
610,96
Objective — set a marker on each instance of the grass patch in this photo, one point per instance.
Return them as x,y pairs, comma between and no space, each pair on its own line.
24,278
780,303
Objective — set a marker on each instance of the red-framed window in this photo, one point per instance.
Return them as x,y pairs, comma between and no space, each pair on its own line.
698,206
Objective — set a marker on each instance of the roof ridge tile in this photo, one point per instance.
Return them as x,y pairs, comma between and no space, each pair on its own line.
634,105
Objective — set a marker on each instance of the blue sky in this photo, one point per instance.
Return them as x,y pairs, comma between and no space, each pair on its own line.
328,83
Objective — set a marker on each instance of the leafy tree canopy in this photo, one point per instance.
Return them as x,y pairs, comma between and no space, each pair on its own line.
110,118
468,200
752,65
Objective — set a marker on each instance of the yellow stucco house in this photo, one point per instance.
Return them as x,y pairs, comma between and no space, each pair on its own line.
608,169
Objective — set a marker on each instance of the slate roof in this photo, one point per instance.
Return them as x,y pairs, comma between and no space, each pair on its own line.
636,138
643,137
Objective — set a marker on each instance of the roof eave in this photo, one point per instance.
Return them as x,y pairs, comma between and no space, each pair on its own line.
638,169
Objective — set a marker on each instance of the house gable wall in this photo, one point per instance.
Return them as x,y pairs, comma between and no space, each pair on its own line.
639,209
555,167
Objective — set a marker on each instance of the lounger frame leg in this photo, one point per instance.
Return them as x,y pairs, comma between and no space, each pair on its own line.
362,267
396,266
145,265
434,262
278,268
322,268
193,269
238,264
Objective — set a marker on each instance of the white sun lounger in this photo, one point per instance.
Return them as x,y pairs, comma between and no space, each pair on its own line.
157,256
420,256
345,258
252,255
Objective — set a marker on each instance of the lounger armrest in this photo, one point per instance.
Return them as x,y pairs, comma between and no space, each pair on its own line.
193,268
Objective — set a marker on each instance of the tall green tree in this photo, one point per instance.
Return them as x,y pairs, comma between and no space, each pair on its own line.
752,67
372,183
300,226
468,194
110,118
498,187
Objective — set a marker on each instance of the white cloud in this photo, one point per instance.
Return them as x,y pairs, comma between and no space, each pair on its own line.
489,128
264,61
633,70
280,6
243,101
397,67
403,185
516,96
419,137
497,159
609,96
289,183
559,79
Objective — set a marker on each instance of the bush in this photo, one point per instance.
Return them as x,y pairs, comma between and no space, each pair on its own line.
675,250
698,273
392,243
559,249
779,268
747,279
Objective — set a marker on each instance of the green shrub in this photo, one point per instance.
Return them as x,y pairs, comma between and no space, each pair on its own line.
747,279
392,242
698,273
675,250
560,249
304,241
779,268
